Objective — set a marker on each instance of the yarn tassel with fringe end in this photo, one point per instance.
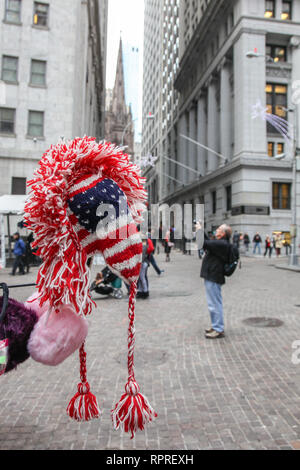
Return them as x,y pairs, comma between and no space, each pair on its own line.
133,410
83,406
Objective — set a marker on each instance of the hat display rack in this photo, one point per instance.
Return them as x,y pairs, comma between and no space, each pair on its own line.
72,191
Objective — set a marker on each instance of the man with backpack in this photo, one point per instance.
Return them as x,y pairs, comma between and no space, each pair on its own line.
220,260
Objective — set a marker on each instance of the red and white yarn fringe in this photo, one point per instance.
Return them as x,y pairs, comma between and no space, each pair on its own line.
64,277
133,410
83,406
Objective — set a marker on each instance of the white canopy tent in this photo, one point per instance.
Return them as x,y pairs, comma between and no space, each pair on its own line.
9,205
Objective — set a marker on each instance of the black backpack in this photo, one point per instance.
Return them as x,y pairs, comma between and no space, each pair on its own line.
233,260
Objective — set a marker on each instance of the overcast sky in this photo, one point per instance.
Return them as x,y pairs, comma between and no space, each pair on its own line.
127,17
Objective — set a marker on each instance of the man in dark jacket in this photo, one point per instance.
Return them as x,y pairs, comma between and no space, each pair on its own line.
212,271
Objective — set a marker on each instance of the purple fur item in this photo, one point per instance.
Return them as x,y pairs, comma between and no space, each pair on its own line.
17,327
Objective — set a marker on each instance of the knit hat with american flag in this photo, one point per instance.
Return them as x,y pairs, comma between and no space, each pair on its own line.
87,197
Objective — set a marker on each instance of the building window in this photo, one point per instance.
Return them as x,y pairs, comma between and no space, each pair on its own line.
214,202
9,69
277,53
271,149
7,120
13,11
18,186
286,13
38,72
40,17
228,198
270,9
281,194
276,103
279,148
36,124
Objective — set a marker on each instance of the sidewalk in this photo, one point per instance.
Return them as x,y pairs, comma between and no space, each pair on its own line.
239,392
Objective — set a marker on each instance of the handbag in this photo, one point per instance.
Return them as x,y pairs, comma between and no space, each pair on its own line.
16,325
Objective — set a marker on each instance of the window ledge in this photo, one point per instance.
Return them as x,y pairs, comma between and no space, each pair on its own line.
13,23
6,134
9,82
36,26
285,211
32,85
30,137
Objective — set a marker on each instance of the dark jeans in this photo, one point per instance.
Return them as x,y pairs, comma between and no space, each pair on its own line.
153,262
268,249
18,263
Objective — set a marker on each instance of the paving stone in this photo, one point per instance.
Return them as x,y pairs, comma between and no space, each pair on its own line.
241,392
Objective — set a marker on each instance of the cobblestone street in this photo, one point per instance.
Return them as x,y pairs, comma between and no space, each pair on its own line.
238,392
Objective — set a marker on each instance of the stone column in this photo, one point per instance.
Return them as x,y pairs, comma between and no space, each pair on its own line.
183,148
296,82
201,133
226,114
171,165
250,137
192,154
212,125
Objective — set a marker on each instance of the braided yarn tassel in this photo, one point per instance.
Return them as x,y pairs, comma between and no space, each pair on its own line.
133,410
83,406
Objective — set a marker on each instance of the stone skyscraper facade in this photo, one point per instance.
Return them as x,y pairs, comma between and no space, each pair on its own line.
53,57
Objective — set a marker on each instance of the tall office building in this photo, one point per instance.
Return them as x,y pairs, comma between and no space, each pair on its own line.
233,55
52,57
161,62
131,64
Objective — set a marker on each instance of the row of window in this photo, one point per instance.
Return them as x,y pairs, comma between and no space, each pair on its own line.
10,70
35,126
13,12
281,197
286,10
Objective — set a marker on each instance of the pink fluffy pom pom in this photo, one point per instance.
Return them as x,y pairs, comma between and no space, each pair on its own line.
33,303
55,339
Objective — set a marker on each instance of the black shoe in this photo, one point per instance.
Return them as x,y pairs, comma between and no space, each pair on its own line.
142,295
215,334
209,330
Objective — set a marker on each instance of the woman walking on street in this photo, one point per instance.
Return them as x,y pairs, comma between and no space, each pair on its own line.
168,246
246,240
278,244
268,248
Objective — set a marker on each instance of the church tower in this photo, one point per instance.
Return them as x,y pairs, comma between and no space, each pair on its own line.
119,128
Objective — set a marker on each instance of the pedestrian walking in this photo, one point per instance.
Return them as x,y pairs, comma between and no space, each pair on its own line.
236,239
151,256
19,252
28,256
212,271
268,246
287,245
278,244
143,283
257,241
246,241
168,244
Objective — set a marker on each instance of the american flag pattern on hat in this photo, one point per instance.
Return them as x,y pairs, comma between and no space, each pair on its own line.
101,218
